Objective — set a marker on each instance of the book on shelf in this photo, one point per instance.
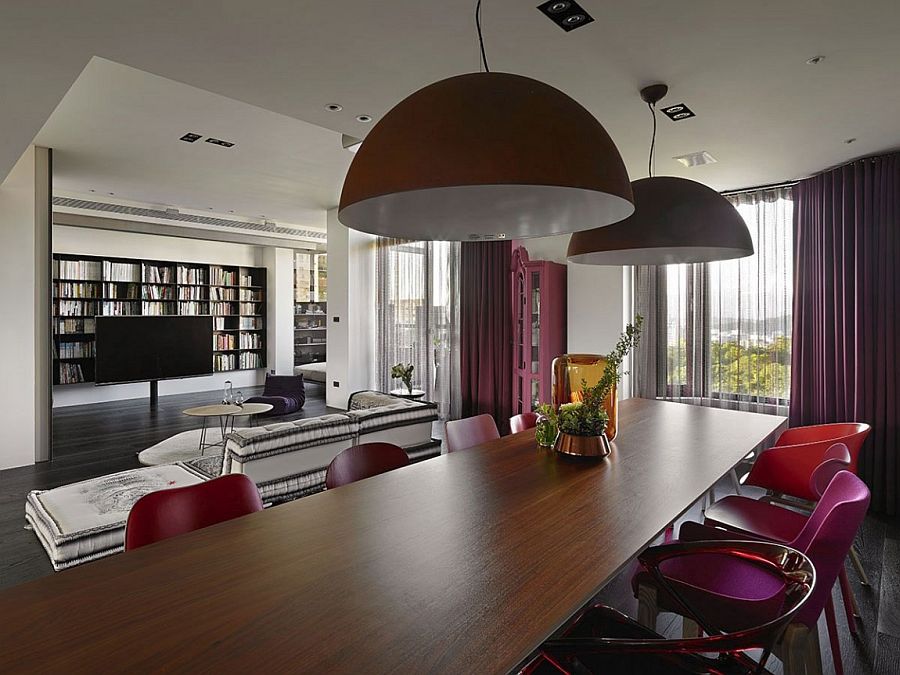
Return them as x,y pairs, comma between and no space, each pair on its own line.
153,292
222,309
251,308
86,270
250,295
70,326
191,275
222,277
223,341
250,341
76,350
120,308
156,308
70,373
216,293
249,360
191,308
158,274
191,293
119,271
222,362
247,280
73,308
119,290
75,289
251,323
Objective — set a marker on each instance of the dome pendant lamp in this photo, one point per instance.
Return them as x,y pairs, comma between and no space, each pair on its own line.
485,156
675,220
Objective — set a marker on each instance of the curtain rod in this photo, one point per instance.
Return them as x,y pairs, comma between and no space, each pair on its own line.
758,188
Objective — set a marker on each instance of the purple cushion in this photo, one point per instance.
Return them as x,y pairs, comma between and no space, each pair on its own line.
289,386
281,405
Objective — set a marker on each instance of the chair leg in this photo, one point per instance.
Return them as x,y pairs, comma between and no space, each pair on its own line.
851,609
648,609
792,649
833,636
735,483
813,653
689,628
857,563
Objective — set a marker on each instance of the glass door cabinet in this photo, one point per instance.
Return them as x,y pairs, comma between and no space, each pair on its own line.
539,327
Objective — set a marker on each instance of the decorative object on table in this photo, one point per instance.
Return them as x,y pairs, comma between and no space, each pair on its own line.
675,220
227,393
570,371
239,399
413,395
547,427
539,327
583,419
485,154
403,372
285,393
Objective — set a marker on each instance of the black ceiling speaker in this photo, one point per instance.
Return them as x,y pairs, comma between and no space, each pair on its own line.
566,14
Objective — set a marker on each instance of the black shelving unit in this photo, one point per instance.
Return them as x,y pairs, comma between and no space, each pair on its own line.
89,286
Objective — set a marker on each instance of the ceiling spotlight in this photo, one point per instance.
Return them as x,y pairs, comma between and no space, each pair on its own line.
815,60
365,119
850,140
678,112
566,14
190,138
219,141
558,7
334,107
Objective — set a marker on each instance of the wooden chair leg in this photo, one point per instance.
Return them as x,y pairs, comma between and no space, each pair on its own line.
792,649
857,563
648,609
735,483
813,653
689,628
833,637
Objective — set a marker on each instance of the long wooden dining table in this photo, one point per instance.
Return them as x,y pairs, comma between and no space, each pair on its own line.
463,563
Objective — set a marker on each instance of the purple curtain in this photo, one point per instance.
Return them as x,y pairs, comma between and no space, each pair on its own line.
846,334
485,321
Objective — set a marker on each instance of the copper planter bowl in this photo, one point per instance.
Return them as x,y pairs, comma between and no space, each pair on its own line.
568,372
582,446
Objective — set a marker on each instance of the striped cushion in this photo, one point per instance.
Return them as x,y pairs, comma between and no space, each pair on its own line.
400,412
274,439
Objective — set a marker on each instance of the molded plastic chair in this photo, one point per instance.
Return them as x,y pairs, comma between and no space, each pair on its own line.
471,431
602,640
168,513
362,461
758,518
523,421
786,468
715,590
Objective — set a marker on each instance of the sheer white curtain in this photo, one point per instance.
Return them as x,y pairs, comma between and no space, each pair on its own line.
723,329
417,309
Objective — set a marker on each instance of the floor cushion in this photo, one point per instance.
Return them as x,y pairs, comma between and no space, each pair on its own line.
183,447
285,393
86,521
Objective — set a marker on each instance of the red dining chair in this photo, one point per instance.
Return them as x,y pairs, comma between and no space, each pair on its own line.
785,469
727,598
523,421
465,433
363,461
758,518
602,640
168,513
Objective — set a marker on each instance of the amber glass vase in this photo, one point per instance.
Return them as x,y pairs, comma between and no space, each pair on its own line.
568,372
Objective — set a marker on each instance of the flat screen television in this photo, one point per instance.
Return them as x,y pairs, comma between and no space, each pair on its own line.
142,348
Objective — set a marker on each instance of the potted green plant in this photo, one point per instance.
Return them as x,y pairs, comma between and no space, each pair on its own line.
404,372
582,423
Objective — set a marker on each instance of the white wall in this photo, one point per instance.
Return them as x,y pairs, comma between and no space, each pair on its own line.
351,312
24,339
279,264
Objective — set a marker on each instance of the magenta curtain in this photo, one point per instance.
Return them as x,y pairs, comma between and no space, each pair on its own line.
485,322
846,334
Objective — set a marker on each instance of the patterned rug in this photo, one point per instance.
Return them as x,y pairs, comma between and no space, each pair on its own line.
183,447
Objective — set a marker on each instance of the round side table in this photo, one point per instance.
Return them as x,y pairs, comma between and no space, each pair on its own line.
205,412
413,395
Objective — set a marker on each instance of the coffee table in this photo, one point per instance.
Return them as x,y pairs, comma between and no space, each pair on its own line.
413,395
225,413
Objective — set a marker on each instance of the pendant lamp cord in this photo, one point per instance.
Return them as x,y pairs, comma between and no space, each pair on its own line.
480,36
651,160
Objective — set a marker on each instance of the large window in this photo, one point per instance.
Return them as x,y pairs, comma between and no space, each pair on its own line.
726,326
417,291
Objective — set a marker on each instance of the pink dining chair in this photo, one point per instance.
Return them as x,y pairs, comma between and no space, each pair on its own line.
362,461
724,596
523,421
167,513
603,640
470,431
758,518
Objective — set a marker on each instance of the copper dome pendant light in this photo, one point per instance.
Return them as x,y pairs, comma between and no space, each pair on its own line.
485,156
675,220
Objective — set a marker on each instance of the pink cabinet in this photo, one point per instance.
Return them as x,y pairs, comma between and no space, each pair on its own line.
539,327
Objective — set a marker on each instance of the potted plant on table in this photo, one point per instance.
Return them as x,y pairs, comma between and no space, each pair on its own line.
582,423
404,372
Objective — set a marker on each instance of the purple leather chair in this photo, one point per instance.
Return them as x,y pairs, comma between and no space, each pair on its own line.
727,597
470,431
285,393
362,461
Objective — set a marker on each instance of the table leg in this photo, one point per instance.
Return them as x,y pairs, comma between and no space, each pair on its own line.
202,436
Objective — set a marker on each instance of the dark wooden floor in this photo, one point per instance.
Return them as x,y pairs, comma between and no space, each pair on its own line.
99,439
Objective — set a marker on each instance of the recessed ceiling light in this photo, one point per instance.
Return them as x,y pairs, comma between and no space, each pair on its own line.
112,194
850,140
190,138
815,60
218,141
696,159
364,118
92,190
334,107
678,112
566,14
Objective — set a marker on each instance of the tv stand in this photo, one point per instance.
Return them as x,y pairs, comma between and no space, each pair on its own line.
154,393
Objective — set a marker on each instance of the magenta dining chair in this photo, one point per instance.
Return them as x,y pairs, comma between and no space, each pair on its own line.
602,640
726,597
465,433
523,421
363,461
767,521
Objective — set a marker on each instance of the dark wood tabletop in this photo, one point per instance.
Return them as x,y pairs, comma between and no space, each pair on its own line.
462,563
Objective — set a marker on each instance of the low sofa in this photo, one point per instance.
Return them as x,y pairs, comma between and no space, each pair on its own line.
287,460
285,393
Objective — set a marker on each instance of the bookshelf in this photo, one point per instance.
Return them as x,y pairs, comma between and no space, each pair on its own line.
310,307
89,286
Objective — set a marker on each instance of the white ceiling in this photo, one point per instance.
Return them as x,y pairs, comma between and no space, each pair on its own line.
762,112
117,132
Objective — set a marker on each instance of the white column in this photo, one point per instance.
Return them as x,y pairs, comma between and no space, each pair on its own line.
279,263
25,336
